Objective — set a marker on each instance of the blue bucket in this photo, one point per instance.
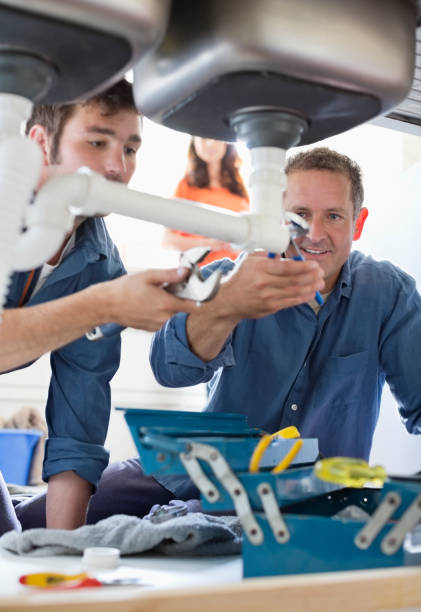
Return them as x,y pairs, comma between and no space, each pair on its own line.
16,450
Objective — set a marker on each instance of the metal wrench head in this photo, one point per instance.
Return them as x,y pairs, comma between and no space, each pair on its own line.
297,225
193,256
196,287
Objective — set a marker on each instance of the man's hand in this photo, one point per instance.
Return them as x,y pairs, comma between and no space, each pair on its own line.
140,300
258,287
261,286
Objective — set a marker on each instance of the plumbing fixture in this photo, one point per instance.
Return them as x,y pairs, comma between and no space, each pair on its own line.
271,72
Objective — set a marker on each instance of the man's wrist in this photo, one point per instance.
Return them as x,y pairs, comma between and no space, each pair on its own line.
209,316
217,316
221,311
100,305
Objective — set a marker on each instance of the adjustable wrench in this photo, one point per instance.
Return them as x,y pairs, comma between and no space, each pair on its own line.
195,287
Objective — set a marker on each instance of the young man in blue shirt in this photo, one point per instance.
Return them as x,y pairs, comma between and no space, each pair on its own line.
82,286
269,351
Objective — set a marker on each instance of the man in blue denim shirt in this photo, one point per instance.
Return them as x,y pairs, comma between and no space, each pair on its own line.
269,351
320,370
104,134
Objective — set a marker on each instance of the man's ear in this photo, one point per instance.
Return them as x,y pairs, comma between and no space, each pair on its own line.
39,134
359,223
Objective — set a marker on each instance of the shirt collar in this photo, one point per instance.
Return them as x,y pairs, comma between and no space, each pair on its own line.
344,284
92,235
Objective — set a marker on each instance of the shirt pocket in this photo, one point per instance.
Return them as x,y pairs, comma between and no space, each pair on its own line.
343,376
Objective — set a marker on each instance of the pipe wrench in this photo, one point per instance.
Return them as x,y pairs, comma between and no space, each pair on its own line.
196,287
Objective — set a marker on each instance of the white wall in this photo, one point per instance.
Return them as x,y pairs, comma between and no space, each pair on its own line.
392,231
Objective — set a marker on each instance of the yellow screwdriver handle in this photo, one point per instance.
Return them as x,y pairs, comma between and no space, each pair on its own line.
350,472
47,580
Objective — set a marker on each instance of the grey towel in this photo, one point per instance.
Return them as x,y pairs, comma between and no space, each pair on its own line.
193,534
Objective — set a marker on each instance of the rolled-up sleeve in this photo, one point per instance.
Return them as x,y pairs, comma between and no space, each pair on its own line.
78,407
175,365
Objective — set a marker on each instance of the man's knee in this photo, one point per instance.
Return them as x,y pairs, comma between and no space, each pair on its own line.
31,512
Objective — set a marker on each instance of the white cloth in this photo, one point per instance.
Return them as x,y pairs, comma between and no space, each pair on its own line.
193,534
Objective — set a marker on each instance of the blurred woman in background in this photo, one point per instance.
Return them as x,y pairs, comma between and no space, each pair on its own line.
212,177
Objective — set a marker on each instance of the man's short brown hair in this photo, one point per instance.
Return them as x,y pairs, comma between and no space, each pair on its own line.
53,117
322,158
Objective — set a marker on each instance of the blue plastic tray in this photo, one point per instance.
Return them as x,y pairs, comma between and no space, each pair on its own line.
16,451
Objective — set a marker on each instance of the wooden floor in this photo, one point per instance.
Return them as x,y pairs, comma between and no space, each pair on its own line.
213,585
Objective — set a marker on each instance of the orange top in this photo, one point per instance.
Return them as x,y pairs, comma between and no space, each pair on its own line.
216,196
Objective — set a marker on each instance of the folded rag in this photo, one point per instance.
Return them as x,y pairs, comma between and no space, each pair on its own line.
193,534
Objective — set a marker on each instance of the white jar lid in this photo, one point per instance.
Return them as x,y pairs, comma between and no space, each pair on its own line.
101,557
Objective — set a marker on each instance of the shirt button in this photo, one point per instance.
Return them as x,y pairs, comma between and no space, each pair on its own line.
294,407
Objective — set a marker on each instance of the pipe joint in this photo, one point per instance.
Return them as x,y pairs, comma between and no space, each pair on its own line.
267,232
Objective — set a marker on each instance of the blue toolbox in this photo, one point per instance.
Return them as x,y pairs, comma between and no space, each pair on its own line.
299,513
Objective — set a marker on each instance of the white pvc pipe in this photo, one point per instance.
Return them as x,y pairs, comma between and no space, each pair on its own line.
193,217
90,194
49,220
14,112
267,181
20,166
245,230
